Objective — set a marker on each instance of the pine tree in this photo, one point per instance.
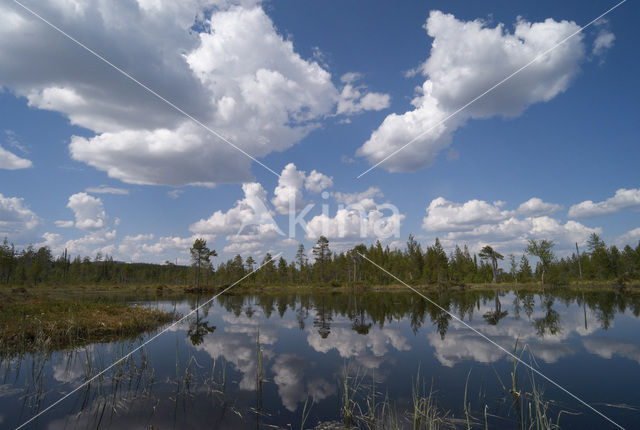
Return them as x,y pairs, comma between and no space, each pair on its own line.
513,268
525,269
201,255
322,254
282,270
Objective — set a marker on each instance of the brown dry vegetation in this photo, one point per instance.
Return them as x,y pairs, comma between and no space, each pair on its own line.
29,323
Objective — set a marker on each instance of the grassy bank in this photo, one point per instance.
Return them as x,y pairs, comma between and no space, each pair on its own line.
29,322
177,290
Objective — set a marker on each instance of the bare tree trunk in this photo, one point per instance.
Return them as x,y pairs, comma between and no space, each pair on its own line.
354,270
579,262
198,276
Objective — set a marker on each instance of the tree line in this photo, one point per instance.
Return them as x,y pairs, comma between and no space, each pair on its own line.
412,264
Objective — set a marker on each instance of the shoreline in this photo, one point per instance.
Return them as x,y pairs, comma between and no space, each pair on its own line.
168,290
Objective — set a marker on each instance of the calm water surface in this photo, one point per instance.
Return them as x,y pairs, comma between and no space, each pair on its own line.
255,361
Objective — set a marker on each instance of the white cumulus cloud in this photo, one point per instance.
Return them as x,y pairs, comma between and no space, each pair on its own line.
247,212
15,217
223,62
632,237
89,212
536,207
355,99
479,223
466,59
288,197
444,215
10,161
317,182
623,199
288,193
604,40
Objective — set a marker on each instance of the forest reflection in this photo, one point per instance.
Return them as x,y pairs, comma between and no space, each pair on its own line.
366,310
246,353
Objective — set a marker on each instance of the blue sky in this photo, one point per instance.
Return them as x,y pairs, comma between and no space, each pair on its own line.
94,163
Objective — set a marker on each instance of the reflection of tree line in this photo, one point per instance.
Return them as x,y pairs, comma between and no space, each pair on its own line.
380,308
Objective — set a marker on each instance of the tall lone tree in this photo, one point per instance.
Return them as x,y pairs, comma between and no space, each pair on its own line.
201,255
322,253
488,253
301,258
513,268
542,250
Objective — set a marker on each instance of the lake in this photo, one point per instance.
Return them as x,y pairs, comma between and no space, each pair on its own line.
316,360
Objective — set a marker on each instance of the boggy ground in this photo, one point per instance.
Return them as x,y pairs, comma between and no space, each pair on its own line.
31,321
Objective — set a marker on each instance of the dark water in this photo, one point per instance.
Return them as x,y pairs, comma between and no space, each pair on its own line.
205,373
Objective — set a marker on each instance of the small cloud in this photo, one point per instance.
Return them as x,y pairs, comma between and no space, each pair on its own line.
89,212
288,242
537,207
603,42
351,77
10,161
317,182
622,199
412,73
12,139
631,237
105,189
604,39
63,224
347,160
453,154
73,168
174,194
320,57
355,99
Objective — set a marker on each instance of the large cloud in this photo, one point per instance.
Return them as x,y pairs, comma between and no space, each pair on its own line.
466,59
480,223
444,215
623,199
229,67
